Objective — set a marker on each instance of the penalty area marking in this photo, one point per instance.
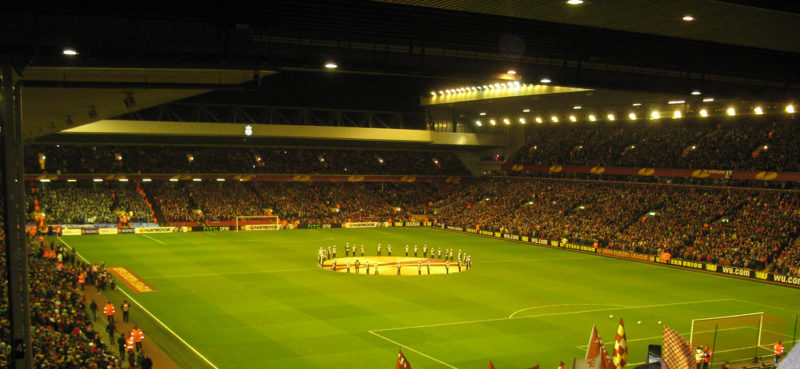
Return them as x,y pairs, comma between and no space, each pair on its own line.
413,350
550,314
560,305
154,239
150,314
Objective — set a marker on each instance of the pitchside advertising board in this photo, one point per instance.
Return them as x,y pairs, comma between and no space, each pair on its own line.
786,280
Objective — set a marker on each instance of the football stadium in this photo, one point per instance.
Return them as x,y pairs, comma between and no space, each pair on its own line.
453,184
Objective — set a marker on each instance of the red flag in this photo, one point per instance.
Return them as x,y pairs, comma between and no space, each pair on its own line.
677,352
490,365
620,347
596,353
402,363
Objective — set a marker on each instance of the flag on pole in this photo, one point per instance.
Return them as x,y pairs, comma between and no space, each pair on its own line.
620,347
596,353
490,365
402,363
677,352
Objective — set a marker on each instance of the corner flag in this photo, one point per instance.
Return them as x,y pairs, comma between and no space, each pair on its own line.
620,347
678,353
402,363
490,365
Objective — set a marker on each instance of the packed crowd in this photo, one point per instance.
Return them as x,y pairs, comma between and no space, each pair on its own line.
756,229
72,159
73,203
743,143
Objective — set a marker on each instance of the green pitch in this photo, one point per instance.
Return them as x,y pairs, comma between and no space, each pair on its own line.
258,300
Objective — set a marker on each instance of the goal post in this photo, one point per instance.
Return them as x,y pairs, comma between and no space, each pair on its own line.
738,338
257,223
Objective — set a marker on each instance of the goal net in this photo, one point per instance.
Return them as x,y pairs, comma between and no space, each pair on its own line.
258,223
739,338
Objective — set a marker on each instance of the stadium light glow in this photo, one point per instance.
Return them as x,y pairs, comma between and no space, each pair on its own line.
758,110
433,94
248,130
789,109
704,113
636,104
69,52
526,110
688,18
577,107
708,99
492,122
197,180
478,123
511,72
45,180
696,92
731,111
147,180
441,92
611,117
545,80
677,114
72,180
331,65
97,180
554,119
220,179
632,116
539,120
506,121
674,102
655,115
573,118
123,180
482,113
173,180
522,121
574,2
592,118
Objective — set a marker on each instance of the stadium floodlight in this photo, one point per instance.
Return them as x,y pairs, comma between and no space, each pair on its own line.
632,116
147,180
123,180
708,99
197,180
526,110
688,18
433,94
704,113
72,180
611,117
331,65
97,180
173,180
790,109
220,179
492,122
522,121
545,80
478,123
45,180
577,107
696,92
731,111
506,121
674,102
574,2
573,118
69,52
677,114
248,129
554,119
655,115
758,110
482,113
592,118
539,120
636,104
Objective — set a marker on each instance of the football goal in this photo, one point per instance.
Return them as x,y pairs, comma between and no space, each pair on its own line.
739,338
257,223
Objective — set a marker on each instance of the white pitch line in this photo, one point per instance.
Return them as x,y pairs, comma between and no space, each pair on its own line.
154,239
583,347
765,305
151,314
232,273
411,349
550,314
560,305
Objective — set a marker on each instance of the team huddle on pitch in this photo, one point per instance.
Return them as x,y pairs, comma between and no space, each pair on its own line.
438,258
